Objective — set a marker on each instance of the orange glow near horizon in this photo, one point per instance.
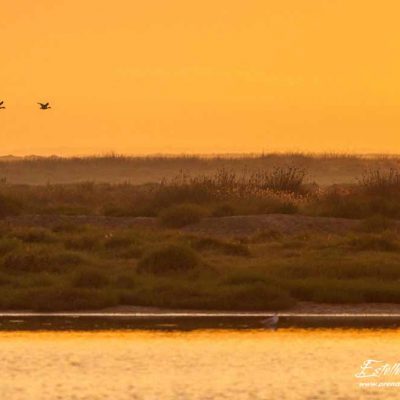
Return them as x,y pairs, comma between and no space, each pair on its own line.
200,77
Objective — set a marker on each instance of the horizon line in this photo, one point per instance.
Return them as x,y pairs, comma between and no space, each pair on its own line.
113,154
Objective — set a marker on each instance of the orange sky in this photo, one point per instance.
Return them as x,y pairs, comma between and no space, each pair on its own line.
200,76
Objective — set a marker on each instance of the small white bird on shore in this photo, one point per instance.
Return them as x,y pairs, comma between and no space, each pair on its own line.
271,322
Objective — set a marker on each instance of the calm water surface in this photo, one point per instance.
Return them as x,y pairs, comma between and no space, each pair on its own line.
204,364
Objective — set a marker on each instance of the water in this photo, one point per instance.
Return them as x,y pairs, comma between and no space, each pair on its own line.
289,363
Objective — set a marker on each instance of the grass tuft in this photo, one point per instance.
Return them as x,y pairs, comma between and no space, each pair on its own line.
30,259
167,259
90,278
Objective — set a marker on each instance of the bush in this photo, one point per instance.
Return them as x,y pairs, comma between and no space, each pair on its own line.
375,242
194,295
67,228
281,179
121,240
7,245
35,235
223,210
132,251
266,236
117,211
37,259
381,182
172,258
68,299
338,294
254,296
287,208
89,278
82,242
244,276
233,249
123,245
376,224
5,280
181,215
9,206
335,202
326,291
125,282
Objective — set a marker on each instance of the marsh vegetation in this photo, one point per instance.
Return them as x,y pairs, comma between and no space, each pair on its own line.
95,267
71,266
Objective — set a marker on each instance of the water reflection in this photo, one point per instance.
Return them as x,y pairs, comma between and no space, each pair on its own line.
197,365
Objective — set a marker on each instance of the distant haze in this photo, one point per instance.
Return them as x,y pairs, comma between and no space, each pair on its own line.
199,76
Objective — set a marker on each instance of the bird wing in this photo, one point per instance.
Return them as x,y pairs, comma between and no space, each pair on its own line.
41,104
1,103
47,104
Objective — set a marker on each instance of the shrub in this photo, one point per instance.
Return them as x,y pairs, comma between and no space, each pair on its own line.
376,224
171,258
67,228
374,267
5,280
68,299
125,282
124,245
36,279
381,182
234,249
193,295
327,291
132,251
353,291
89,278
244,276
9,206
35,259
287,208
118,211
223,210
285,179
343,204
82,242
266,236
375,242
249,296
67,210
181,215
34,235
383,293
117,241
7,245
338,294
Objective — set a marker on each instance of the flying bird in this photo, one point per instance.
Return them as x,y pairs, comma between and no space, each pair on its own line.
1,104
44,106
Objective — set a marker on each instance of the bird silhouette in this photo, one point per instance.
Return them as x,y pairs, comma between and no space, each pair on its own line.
44,106
271,322
1,104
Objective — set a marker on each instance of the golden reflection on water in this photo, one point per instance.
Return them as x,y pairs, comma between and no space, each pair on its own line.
207,364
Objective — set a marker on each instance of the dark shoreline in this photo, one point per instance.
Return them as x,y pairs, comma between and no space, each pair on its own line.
181,320
189,324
